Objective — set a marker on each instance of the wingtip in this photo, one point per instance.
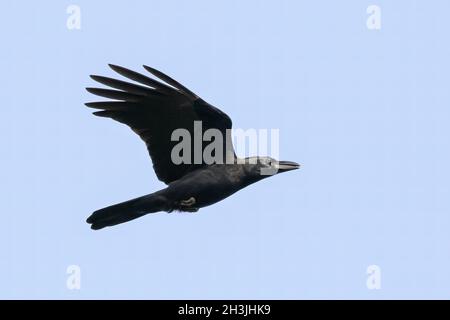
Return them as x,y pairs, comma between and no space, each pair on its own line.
89,104
149,69
99,114
93,105
114,66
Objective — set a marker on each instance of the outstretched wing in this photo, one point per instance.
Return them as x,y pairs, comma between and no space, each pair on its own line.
154,109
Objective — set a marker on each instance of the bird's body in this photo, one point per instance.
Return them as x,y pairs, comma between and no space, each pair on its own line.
198,189
210,184
206,185
154,112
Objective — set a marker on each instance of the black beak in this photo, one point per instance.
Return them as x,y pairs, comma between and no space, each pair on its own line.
284,166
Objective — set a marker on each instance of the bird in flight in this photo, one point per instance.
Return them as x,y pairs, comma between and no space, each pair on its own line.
155,109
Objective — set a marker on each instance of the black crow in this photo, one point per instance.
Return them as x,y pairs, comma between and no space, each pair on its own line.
154,110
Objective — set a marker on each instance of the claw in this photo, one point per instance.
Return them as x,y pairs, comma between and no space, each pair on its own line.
188,203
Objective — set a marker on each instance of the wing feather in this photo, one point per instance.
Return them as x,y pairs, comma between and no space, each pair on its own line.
154,109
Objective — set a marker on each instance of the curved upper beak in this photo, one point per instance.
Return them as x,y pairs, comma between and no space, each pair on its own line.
287,166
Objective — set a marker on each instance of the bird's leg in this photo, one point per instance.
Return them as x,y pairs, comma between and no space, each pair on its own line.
189,202
187,205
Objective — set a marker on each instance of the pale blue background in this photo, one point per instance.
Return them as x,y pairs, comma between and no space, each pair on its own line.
365,112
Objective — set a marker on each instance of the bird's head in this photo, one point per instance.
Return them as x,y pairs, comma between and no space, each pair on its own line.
258,168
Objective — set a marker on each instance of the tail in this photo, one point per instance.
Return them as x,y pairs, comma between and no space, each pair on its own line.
126,211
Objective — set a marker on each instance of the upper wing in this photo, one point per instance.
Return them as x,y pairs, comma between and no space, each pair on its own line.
153,110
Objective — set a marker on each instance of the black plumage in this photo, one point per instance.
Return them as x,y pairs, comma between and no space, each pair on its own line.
154,109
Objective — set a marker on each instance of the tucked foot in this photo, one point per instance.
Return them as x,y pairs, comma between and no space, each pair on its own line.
188,205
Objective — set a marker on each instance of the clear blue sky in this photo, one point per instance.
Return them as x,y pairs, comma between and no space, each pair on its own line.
366,112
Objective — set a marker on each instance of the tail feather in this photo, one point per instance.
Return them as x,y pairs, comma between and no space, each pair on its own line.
126,211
